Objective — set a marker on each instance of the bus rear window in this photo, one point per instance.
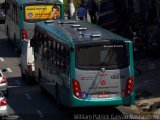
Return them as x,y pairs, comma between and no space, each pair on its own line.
34,13
112,56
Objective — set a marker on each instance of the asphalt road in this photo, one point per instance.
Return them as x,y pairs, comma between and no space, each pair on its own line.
27,103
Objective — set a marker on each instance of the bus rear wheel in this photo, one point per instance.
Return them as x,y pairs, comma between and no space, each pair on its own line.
23,75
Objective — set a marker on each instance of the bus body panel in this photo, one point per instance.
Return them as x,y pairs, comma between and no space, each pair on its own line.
97,84
102,102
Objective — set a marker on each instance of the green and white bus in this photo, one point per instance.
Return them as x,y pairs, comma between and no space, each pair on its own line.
22,14
21,17
82,64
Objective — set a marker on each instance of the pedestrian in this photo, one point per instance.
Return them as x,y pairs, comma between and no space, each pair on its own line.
92,9
81,12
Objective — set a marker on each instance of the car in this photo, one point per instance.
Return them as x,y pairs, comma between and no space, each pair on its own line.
3,83
3,105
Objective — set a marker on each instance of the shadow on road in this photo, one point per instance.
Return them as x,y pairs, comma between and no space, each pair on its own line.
7,49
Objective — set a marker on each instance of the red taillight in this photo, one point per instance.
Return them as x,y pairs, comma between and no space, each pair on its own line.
24,34
3,80
29,67
76,89
3,102
129,87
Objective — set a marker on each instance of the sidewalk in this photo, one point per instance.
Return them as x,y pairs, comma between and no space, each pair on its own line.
147,87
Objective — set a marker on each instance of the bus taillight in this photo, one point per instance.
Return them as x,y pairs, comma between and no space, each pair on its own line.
76,89
129,86
3,80
3,102
24,34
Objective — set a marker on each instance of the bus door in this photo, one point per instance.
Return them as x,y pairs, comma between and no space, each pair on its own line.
102,71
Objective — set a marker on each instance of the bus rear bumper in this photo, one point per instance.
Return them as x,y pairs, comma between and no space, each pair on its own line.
103,102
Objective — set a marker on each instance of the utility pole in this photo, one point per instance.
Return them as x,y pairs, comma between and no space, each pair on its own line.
71,9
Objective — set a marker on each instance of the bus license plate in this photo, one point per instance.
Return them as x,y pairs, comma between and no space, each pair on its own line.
103,95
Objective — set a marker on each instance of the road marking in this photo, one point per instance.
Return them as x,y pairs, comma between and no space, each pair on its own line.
1,59
40,113
9,70
28,96
17,82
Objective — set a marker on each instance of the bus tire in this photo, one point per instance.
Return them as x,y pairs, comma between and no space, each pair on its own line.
7,93
58,101
23,75
28,80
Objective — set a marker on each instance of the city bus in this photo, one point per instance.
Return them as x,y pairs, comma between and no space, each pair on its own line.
21,16
82,64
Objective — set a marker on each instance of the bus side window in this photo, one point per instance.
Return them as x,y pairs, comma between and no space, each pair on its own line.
54,52
67,61
40,41
43,45
61,58
58,54
64,59
49,50
45,50
49,43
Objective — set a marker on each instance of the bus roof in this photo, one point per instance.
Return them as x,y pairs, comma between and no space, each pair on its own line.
38,1
78,32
